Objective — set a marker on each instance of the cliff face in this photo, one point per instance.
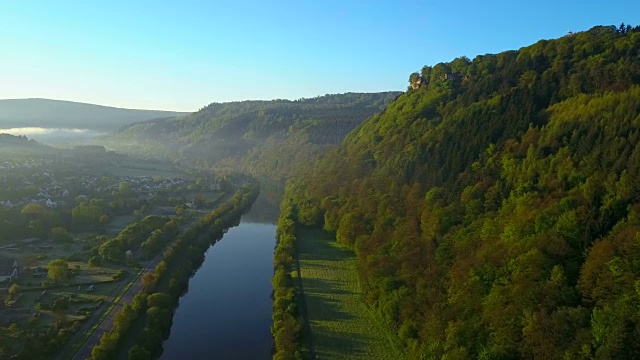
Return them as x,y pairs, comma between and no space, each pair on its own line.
417,83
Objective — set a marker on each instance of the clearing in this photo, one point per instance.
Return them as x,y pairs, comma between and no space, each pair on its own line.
341,325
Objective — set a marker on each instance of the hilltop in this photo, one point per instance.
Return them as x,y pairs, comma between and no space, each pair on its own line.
68,114
494,208
263,137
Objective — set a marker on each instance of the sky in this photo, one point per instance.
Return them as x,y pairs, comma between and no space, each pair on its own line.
183,55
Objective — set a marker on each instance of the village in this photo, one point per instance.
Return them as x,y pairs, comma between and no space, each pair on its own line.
57,277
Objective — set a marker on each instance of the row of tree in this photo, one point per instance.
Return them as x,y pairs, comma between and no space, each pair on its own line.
155,305
132,237
287,321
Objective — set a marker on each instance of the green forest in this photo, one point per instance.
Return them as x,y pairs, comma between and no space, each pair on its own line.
494,207
268,138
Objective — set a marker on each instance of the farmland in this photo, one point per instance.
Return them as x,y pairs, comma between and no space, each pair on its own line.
339,321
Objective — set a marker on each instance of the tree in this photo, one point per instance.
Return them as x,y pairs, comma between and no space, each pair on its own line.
58,270
426,72
111,250
201,182
124,188
459,65
161,300
14,290
148,281
104,220
60,234
137,352
95,261
33,210
180,210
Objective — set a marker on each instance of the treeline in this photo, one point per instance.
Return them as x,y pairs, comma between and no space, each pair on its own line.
153,308
133,236
495,213
287,321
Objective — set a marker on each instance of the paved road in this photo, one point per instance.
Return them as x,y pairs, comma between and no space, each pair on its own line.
90,322
107,323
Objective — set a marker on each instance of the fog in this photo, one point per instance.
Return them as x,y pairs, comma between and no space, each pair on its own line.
59,136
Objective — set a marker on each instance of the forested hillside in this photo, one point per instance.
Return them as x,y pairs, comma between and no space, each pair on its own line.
494,208
264,137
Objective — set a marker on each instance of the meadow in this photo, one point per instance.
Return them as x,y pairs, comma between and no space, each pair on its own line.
337,318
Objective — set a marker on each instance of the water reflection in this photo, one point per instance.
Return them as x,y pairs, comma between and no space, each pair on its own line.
226,313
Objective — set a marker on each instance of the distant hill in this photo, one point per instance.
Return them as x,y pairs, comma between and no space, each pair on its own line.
68,114
10,140
22,145
263,137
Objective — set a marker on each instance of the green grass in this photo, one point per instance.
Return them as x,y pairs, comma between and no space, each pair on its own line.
87,334
342,326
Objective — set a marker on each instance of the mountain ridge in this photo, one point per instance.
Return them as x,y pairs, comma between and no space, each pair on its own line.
492,209
252,134
40,112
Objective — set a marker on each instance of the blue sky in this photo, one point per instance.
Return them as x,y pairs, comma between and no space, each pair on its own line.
184,55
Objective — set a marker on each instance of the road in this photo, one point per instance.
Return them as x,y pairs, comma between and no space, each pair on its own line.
89,323
127,298
107,323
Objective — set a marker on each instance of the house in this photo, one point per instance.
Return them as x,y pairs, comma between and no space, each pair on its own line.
9,270
65,193
51,204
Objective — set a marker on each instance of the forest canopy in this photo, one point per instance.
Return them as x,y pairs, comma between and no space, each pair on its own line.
494,207
263,137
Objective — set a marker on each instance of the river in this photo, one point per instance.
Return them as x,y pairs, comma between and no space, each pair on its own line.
226,314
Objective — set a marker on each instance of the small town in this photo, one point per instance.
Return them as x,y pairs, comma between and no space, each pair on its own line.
76,240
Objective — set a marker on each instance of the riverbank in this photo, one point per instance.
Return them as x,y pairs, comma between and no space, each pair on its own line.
155,305
226,314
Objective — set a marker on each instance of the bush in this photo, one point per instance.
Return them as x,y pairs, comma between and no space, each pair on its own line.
95,261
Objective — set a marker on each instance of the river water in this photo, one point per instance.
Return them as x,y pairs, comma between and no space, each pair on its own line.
226,314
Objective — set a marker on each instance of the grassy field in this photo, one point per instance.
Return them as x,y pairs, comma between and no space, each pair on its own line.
342,327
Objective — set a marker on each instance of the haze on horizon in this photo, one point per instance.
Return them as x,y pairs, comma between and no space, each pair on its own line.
184,55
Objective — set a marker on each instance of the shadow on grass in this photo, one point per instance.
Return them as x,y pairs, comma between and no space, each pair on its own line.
319,245
326,287
341,345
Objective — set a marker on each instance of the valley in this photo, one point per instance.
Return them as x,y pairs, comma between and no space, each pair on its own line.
431,205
